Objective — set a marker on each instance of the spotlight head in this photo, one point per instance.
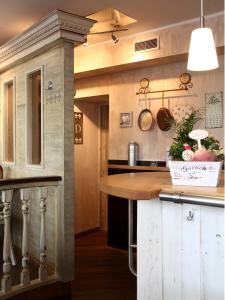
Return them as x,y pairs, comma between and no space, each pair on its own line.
85,41
114,38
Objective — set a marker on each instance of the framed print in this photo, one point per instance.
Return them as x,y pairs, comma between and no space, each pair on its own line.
126,119
214,110
78,128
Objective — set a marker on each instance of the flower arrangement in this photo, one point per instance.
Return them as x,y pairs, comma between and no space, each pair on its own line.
188,149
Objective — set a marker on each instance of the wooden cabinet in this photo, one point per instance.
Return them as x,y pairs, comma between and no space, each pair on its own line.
180,251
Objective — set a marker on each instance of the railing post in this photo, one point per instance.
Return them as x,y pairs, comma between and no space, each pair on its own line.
6,280
25,273
43,274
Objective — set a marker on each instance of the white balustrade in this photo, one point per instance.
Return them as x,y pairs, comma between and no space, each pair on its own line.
25,273
43,274
9,260
6,280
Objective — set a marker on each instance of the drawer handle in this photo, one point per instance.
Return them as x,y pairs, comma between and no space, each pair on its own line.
190,216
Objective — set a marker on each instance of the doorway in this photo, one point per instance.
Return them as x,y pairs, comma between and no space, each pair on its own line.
91,159
101,272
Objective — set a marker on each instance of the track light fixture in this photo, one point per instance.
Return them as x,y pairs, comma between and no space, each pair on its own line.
114,38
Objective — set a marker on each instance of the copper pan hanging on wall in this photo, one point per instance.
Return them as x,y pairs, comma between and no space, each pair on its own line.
164,117
145,119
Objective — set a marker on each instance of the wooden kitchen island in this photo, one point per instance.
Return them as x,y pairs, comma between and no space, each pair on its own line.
180,236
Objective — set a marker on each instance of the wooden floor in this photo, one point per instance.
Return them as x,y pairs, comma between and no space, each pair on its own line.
101,273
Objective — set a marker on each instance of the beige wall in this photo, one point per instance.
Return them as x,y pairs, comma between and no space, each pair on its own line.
57,64
174,40
86,160
122,88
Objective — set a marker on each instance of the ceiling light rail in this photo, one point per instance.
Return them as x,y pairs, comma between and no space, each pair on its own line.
185,84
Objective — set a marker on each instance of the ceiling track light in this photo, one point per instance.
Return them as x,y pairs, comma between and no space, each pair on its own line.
114,38
202,51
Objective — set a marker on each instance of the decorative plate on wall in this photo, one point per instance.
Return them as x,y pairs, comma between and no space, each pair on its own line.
181,112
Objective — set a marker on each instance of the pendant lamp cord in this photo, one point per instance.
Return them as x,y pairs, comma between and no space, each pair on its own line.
202,21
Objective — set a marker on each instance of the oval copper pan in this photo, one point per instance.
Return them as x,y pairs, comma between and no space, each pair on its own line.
163,117
145,120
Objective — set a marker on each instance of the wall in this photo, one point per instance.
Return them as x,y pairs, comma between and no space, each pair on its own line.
122,86
58,147
174,40
87,169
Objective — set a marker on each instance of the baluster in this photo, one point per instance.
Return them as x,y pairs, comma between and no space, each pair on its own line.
25,273
43,274
6,280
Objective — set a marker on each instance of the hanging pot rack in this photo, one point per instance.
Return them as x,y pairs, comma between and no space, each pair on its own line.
185,84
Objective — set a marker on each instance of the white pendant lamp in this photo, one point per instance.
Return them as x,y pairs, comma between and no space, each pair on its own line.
202,51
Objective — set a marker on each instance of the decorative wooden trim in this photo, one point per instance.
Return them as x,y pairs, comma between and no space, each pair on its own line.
58,25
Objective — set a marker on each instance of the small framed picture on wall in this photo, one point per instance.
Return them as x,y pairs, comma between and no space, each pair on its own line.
214,110
126,119
78,128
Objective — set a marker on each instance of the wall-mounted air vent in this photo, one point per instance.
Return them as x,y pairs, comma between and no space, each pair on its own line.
152,44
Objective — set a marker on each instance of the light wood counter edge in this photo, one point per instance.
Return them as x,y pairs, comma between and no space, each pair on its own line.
146,186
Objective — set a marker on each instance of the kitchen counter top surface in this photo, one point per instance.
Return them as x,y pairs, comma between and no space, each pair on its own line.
145,186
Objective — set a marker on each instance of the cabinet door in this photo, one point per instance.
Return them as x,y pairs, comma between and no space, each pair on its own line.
180,251
190,252
171,250
202,253
149,251
212,253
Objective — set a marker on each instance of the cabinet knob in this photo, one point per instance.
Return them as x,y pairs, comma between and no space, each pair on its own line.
190,216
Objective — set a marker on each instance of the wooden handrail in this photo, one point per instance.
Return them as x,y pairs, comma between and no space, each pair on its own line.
28,182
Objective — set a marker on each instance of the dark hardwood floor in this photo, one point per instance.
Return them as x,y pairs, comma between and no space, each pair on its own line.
101,273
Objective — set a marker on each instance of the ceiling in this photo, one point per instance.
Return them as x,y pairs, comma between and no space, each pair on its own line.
16,16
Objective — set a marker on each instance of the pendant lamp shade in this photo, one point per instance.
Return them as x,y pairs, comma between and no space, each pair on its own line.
202,51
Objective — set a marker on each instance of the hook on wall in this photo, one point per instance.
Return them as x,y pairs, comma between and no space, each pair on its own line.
50,86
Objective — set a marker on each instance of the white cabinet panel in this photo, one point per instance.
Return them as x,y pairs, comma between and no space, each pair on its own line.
180,251
190,252
212,253
149,266
171,236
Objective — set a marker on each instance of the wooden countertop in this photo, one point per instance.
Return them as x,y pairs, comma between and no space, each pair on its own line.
144,168
145,186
